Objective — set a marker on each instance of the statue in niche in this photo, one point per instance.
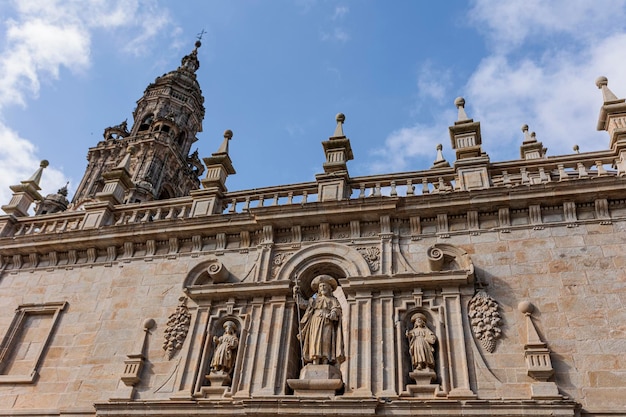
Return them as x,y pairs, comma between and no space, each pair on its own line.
321,332
421,344
225,349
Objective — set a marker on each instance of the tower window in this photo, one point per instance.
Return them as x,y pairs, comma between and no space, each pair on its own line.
145,124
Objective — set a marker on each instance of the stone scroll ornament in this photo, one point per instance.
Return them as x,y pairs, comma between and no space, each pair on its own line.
485,320
177,328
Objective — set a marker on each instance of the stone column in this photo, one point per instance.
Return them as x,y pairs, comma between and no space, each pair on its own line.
458,367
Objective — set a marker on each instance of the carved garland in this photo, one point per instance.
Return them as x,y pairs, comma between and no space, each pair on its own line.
177,328
485,320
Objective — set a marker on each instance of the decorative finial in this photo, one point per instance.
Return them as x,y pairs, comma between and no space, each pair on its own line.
528,137
439,153
440,161
607,95
63,190
36,177
228,135
526,307
340,118
459,102
125,163
576,149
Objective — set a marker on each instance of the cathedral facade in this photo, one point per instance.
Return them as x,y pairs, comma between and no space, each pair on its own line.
470,288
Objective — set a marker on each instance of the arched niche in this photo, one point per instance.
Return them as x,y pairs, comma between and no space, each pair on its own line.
334,259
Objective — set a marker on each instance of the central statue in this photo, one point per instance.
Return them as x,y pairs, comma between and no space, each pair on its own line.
321,332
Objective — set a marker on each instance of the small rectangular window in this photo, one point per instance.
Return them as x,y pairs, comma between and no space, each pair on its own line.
25,342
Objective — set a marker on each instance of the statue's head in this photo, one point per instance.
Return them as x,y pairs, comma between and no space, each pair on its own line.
230,327
324,283
418,319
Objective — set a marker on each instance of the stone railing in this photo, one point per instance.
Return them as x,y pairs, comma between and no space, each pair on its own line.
175,208
243,201
407,184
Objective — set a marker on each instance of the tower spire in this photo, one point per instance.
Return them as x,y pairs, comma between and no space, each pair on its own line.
165,123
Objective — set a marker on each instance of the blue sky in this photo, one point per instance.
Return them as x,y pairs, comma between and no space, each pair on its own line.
276,72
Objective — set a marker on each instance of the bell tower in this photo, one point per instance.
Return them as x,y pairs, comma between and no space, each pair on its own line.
165,123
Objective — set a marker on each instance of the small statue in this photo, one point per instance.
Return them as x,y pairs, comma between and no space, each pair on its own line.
421,341
321,332
225,349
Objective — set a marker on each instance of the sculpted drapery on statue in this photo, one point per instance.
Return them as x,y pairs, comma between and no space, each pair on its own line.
421,341
321,331
225,349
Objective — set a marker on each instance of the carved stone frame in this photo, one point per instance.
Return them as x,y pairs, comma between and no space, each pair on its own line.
14,332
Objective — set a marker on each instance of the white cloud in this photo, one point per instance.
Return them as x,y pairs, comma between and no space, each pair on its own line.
337,34
405,145
433,83
41,38
340,11
18,163
540,70
508,24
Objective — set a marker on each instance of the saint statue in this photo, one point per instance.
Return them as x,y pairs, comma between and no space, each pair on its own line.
421,341
225,349
321,333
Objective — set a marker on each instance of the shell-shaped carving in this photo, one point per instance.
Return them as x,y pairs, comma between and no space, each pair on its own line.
177,328
485,320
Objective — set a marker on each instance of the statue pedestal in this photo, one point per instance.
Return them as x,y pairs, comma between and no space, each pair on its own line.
218,379
317,381
423,387
219,384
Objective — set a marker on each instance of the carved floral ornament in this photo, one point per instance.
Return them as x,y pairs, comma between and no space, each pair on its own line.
372,257
485,320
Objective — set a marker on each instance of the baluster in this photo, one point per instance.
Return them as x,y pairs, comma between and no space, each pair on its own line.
600,167
362,191
305,195
290,197
261,200
562,173
30,229
146,216
582,171
410,188
184,212
133,217
170,213
506,180
425,189
376,191
246,206
158,214
275,202
20,231
525,178
393,191
233,206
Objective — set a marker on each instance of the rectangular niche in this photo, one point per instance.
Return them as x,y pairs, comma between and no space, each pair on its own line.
26,341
